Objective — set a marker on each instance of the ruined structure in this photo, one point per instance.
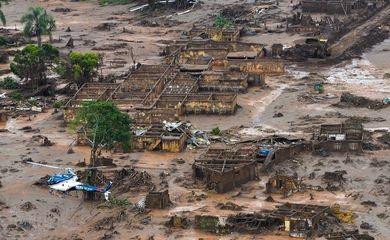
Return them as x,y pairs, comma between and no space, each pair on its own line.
346,137
281,184
224,169
280,149
300,220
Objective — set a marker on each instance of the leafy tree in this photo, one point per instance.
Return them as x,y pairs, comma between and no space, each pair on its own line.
38,22
2,16
33,62
84,66
102,125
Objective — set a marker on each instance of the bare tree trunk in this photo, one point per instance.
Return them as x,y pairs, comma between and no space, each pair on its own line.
91,178
39,39
51,37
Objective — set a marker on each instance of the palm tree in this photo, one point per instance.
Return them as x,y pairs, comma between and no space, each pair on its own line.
2,16
51,26
37,22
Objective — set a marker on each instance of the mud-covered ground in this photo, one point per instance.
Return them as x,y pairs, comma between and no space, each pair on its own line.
33,212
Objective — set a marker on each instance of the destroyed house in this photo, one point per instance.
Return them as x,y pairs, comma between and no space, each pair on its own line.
224,169
156,137
224,81
220,50
92,92
300,220
340,137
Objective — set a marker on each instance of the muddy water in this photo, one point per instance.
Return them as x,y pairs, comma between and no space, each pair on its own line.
379,55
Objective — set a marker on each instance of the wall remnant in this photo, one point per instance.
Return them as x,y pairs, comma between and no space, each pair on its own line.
224,169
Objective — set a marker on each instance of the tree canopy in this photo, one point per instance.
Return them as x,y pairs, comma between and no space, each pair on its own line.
84,66
38,22
33,62
102,125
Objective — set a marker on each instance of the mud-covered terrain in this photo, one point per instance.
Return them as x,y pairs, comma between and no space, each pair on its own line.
287,106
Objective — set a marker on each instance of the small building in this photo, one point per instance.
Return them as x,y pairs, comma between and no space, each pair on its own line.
224,169
346,137
155,137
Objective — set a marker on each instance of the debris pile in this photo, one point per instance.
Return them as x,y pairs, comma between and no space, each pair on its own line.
286,185
129,179
42,140
27,206
178,222
107,223
157,199
349,100
230,206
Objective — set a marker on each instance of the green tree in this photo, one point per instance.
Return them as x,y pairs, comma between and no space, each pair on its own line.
37,22
102,125
84,66
33,62
2,16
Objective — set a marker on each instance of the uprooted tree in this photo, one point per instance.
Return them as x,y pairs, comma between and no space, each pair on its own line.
102,126
33,63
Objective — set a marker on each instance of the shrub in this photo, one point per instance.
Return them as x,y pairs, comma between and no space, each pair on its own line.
221,22
3,41
9,83
59,103
216,131
17,96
